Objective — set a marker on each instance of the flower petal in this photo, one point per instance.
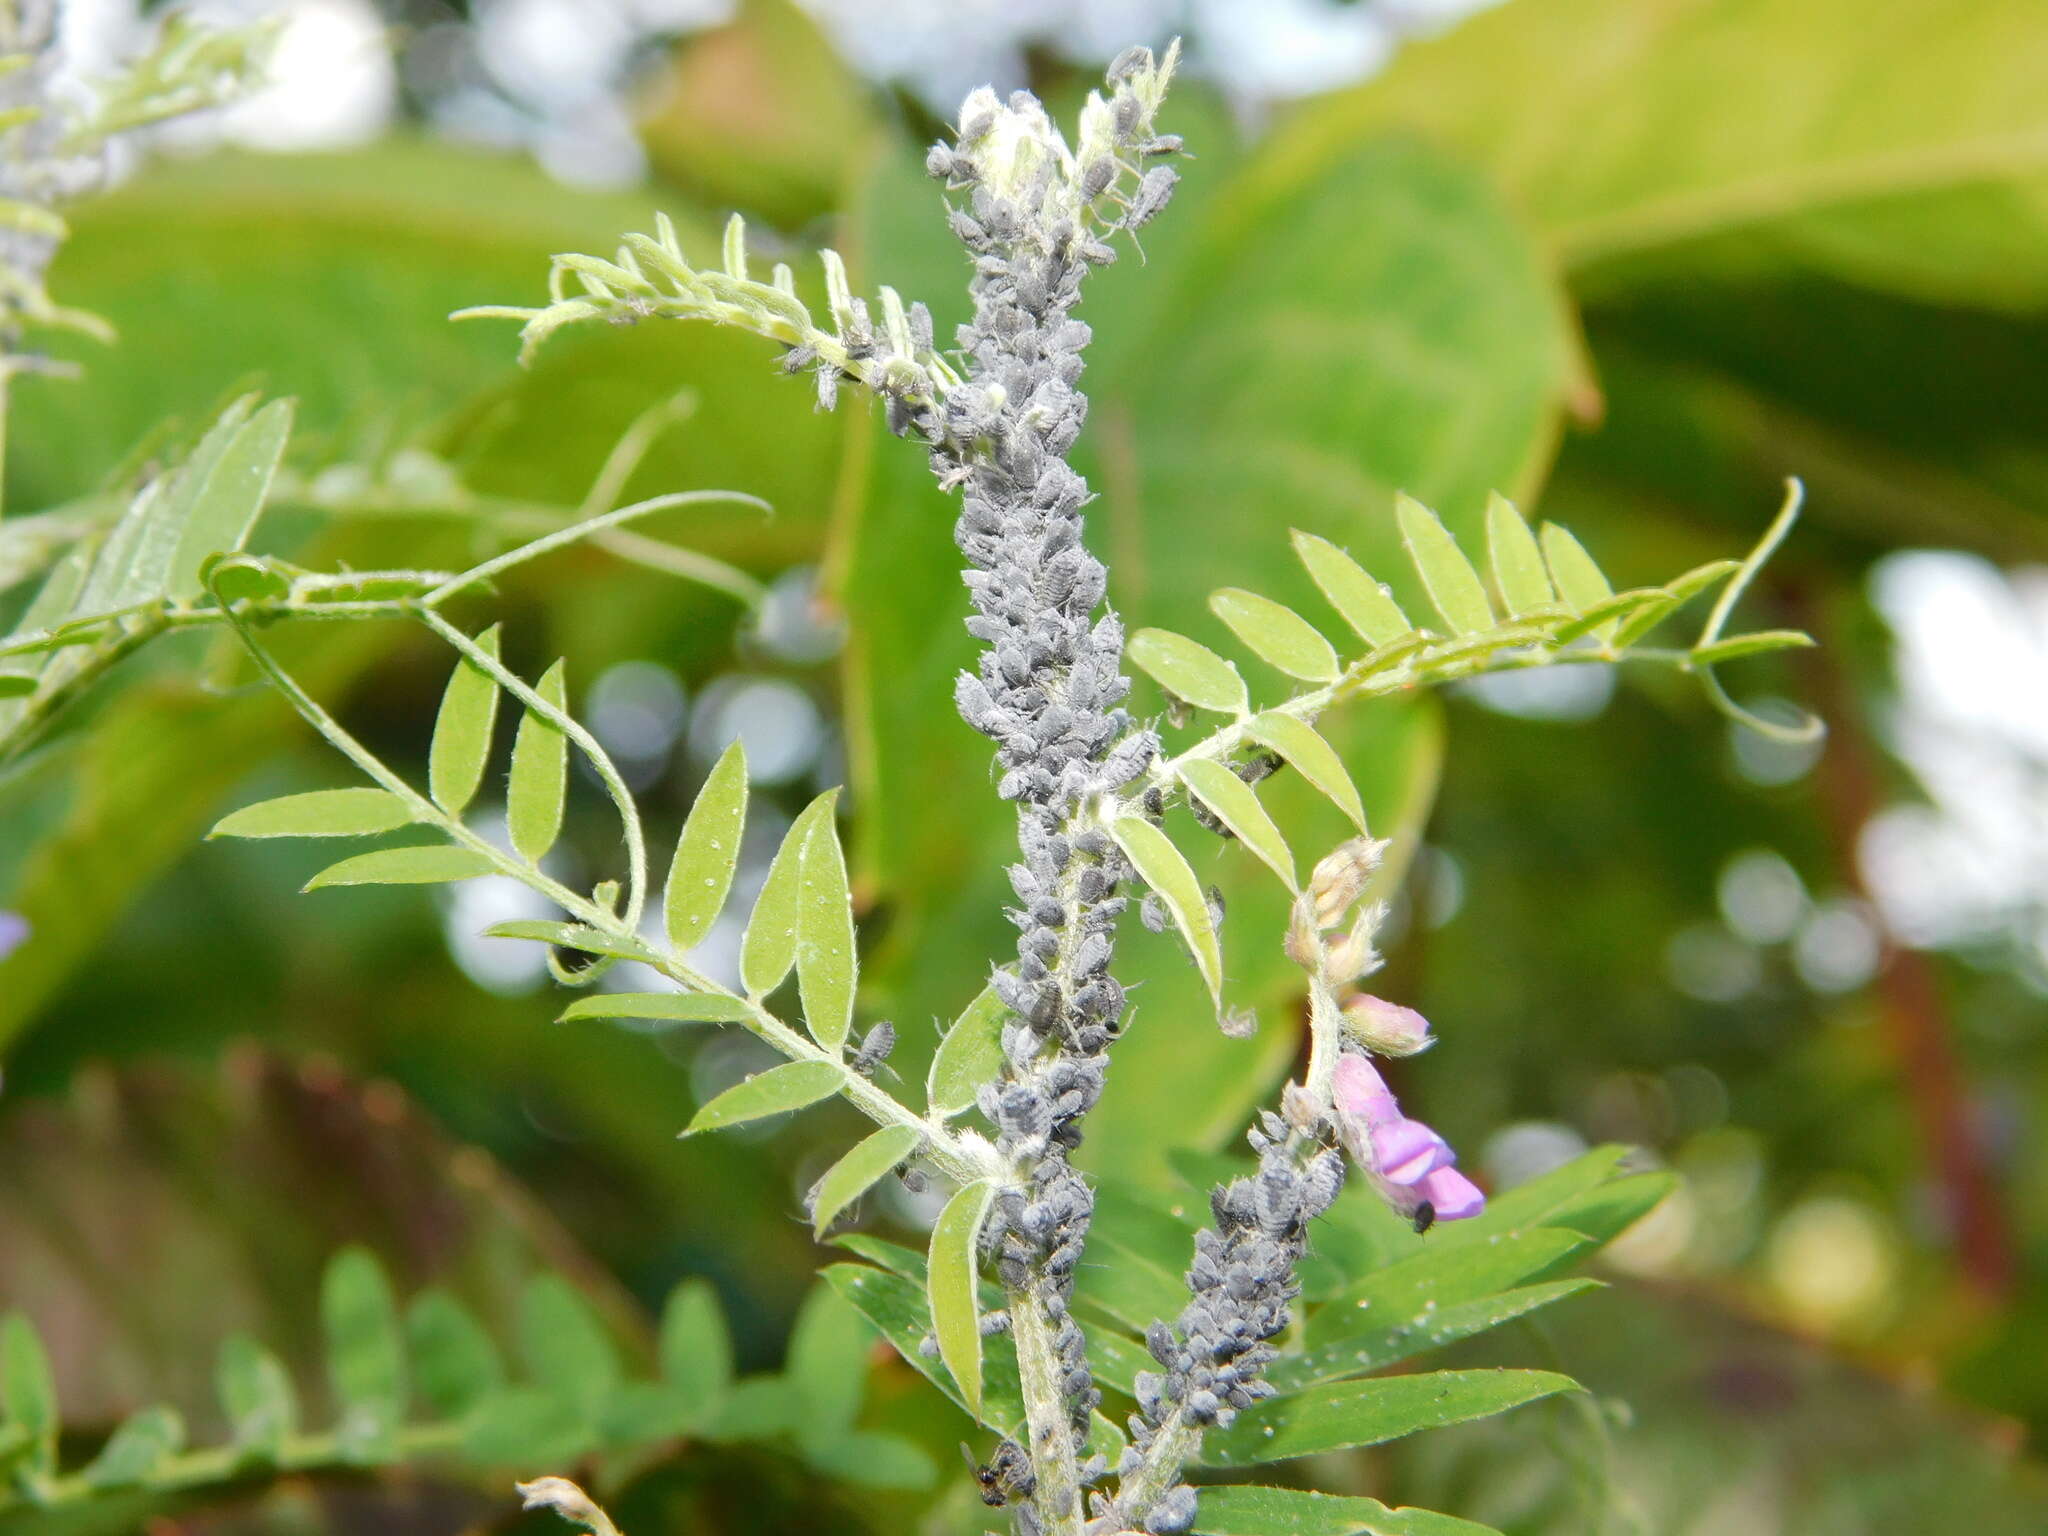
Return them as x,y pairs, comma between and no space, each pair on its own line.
1361,1091
1454,1196
1408,1151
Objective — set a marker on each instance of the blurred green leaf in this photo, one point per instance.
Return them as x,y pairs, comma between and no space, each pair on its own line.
422,864
696,1351
777,1091
1244,1510
137,1446
28,1392
365,1355
708,851
462,730
565,1347
539,784
1345,1414
828,1364
256,1394
455,1365
526,1427
1625,133
759,113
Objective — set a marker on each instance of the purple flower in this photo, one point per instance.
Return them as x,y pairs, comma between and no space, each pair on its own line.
13,933
1409,1161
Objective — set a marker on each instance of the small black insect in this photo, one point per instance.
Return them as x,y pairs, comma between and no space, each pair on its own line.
1006,1476
1425,1218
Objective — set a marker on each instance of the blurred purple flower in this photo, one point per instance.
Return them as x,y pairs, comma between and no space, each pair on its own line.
13,933
1411,1163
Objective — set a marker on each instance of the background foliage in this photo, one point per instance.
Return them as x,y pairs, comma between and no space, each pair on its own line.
1632,265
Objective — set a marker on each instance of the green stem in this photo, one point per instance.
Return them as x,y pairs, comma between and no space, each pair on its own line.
227,1463
1053,1460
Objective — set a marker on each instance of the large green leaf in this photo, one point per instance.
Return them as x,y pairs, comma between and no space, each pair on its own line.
1899,143
1344,1414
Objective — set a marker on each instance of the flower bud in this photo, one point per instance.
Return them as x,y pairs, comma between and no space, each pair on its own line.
1386,1028
1339,879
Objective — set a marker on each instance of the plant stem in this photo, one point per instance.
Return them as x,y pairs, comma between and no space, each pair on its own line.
1048,1424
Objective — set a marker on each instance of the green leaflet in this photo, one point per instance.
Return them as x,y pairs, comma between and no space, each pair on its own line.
827,1365
564,1346
1754,644
28,1392
1578,579
220,510
365,1355
524,1426
858,1171
1188,670
357,812
455,1365
1244,1509
683,1007
1517,562
1607,616
594,941
827,964
1278,635
1454,587
1237,806
462,731
135,1449
769,948
1345,1414
969,1055
793,1085
695,1348
1444,1275
1397,1337
1312,757
950,1284
422,864
707,852
539,784
1160,865
256,1396
1362,602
